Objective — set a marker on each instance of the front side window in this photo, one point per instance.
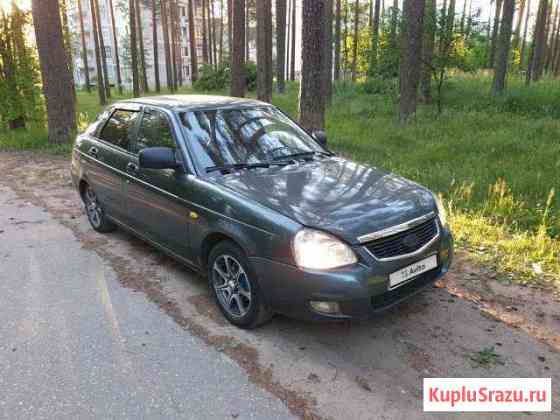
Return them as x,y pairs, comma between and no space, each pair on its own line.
119,130
244,136
154,131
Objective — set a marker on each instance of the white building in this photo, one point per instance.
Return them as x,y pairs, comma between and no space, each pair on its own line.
123,40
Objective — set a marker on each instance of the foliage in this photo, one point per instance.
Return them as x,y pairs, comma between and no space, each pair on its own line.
218,78
20,101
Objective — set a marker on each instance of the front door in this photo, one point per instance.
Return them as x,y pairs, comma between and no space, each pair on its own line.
152,203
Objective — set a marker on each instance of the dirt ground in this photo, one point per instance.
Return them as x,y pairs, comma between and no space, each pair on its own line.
365,370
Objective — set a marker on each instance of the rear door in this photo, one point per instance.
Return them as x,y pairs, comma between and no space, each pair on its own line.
152,201
108,156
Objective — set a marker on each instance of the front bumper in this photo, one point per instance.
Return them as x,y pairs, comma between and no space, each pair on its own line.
361,290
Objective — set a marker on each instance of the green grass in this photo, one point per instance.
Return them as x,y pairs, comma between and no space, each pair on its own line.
495,161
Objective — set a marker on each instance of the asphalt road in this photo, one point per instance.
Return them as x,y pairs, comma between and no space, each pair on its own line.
103,326
76,344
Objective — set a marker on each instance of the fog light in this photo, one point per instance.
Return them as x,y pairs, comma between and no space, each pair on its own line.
444,253
325,307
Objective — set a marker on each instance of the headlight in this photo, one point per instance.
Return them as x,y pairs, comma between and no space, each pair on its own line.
318,250
442,213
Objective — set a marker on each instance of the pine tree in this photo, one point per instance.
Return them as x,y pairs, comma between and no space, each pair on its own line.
238,82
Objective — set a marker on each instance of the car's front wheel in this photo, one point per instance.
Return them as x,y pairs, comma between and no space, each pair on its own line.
235,287
95,213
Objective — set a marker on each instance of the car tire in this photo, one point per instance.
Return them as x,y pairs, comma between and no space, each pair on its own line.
95,213
235,287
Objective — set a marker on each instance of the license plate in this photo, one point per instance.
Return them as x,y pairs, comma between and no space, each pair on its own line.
413,270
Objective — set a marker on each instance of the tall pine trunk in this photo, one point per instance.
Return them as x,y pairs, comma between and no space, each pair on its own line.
280,44
133,47
517,37
293,57
539,44
411,55
503,48
140,28
355,40
55,73
99,66
107,83
264,50
155,46
192,43
311,105
166,46
338,24
204,34
495,31
430,27
84,47
328,52
238,82
116,46
374,38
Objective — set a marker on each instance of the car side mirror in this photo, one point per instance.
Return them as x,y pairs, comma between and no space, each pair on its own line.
158,158
320,137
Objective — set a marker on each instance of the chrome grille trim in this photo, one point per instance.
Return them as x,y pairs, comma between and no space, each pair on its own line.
396,229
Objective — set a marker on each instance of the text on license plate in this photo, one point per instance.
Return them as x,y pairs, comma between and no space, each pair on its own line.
411,271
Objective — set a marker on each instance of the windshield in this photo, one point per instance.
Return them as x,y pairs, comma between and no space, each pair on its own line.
244,136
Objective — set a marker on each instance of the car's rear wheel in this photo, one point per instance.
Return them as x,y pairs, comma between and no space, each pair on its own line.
95,213
235,286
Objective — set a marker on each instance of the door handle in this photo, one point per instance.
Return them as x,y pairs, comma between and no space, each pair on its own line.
132,168
93,151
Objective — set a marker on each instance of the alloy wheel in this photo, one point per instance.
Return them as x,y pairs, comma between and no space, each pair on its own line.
232,286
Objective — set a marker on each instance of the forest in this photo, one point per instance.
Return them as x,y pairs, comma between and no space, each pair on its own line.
461,96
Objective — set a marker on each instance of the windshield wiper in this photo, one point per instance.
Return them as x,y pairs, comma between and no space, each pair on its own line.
301,155
237,166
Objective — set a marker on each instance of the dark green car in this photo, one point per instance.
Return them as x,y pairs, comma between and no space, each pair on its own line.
234,189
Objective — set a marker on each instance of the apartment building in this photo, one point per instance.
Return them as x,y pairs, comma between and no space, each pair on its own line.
120,11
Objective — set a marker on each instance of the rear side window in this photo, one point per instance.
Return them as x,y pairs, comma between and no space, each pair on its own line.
154,131
120,128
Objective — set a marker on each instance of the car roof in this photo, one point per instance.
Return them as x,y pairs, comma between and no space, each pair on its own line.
192,102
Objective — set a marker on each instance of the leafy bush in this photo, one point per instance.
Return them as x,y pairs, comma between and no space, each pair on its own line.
212,79
378,86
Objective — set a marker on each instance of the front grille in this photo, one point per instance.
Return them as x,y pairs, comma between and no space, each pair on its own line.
405,242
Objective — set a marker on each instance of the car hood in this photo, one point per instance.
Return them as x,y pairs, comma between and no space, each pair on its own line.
334,194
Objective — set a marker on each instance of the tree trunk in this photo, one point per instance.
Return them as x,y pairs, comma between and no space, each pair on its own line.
328,52
517,37
355,40
173,41
280,44
133,47
337,30
67,42
238,82
464,18
264,32
288,33
166,46
139,25
84,47
552,39
116,47
247,30
107,83
100,83
495,31
213,27
155,41
430,27
537,63
411,54
374,39
177,39
293,58
221,31
55,73
230,27
311,105
525,31
192,43
204,34
394,23
504,46
469,21
345,43
209,5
